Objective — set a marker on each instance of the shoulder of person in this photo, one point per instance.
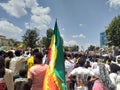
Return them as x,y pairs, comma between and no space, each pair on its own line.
8,71
46,65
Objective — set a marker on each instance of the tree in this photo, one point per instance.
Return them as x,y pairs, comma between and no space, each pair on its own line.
49,34
113,32
71,48
46,40
16,43
75,48
66,48
30,38
91,48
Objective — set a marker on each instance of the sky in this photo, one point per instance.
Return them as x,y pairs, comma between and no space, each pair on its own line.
80,22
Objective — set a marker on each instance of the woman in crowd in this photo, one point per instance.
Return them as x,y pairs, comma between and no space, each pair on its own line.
37,73
102,80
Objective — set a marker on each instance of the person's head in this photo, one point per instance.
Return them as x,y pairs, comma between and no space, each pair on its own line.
2,66
95,60
2,62
45,52
76,55
68,56
35,51
38,58
118,60
23,73
81,62
2,53
114,68
27,53
10,54
88,62
17,53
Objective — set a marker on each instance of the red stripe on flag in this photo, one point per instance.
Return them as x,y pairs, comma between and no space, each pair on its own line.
51,82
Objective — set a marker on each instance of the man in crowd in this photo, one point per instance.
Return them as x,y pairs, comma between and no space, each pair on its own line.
17,63
8,75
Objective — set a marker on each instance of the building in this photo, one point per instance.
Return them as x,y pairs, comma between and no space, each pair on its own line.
6,42
3,40
103,39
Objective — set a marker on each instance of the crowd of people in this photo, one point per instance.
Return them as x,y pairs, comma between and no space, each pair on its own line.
25,70
86,72
22,70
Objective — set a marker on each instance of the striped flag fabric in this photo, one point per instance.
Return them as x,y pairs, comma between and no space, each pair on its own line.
20,46
55,74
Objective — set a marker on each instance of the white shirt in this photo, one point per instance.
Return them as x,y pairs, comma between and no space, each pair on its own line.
118,82
118,64
44,59
113,77
68,68
16,64
94,65
81,70
9,79
81,74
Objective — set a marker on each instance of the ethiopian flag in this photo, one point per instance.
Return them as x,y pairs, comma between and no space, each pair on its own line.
55,74
20,46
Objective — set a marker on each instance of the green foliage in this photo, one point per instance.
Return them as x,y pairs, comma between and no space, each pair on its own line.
30,38
49,33
113,32
75,48
16,43
91,48
46,40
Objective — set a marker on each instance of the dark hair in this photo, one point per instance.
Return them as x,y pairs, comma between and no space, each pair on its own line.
10,54
82,60
87,64
114,68
76,55
27,53
2,66
67,55
2,62
35,51
17,52
38,57
23,72
3,53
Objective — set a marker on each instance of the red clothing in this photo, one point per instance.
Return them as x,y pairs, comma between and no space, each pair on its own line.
36,74
2,84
